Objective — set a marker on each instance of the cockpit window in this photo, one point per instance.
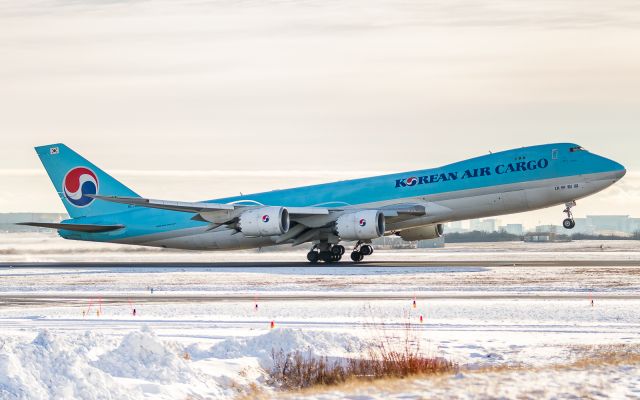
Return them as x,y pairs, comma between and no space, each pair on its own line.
577,148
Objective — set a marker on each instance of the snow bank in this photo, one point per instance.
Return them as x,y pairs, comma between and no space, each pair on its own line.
55,368
314,343
142,355
88,367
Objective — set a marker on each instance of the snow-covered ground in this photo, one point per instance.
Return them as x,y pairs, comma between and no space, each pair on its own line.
517,332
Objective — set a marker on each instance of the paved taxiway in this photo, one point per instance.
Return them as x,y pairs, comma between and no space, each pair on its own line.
346,264
38,298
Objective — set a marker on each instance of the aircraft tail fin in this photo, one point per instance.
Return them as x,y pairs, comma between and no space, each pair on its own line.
74,177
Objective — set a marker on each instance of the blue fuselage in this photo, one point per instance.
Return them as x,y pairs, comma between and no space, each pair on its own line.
509,181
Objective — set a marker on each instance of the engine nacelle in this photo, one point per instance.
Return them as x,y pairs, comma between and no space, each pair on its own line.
264,221
422,233
361,225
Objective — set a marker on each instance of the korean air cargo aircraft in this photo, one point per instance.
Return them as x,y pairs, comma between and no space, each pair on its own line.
412,205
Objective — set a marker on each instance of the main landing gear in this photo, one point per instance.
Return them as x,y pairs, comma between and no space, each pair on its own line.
360,251
569,222
326,252
330,253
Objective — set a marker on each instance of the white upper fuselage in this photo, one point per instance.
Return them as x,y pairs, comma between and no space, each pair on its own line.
501,183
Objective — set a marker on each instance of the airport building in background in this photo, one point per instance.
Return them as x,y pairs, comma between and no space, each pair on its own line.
618,225
514,229
607,225
484,225
455,227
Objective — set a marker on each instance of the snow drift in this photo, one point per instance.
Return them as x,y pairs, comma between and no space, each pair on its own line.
142,355
54,368
313,343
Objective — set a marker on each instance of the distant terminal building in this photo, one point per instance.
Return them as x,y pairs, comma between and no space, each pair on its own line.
514,229
455,227
620,225
539,237
485,225
431,243
544,237
546,229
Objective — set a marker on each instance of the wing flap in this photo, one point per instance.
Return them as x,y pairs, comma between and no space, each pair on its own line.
309,210
206,210
183,206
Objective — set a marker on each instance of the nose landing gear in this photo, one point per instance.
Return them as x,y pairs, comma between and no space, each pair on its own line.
569,222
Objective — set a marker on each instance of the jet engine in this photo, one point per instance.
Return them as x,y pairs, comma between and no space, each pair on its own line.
361,225
264,221
422,232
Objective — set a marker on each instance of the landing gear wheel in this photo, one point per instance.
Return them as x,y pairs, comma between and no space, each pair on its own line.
366,250
338,250
326,256
313,257
569,222
357,256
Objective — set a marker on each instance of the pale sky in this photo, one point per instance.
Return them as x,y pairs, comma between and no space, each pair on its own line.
242,92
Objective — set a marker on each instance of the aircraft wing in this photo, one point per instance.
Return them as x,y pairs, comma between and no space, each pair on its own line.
204,208
211,212
166,204
310,221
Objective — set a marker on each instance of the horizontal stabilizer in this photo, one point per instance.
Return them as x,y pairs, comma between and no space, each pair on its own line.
88,228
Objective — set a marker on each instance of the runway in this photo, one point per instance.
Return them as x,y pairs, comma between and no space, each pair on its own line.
58,300
219,282
345,264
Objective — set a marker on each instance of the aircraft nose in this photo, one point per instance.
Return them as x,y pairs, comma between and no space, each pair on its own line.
618,169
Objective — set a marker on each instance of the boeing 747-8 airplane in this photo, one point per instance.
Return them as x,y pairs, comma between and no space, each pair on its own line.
412,205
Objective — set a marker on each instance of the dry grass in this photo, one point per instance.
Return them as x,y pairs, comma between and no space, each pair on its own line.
605,355
589,357
253,392
296,371
388,356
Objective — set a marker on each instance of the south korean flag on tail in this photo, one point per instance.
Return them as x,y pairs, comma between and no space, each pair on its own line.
54,150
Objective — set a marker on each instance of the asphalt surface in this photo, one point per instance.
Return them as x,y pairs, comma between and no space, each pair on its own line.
346,264
167,297
53,299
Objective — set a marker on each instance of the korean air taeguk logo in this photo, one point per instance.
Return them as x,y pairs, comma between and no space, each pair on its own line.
77,184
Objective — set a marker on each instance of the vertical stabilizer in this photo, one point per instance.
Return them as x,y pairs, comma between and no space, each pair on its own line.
74,177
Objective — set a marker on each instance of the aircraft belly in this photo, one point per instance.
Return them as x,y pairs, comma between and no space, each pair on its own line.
212,240
507,202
